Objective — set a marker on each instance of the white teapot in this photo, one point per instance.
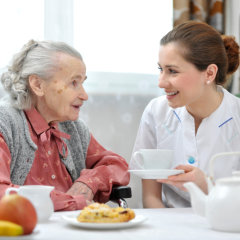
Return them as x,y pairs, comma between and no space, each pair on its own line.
221,206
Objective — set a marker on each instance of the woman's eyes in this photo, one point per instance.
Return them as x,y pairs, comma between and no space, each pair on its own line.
171,71
74,83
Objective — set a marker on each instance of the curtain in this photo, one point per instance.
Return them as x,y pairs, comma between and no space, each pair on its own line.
209,11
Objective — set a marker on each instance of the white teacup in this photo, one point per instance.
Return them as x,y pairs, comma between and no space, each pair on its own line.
39,195
153,158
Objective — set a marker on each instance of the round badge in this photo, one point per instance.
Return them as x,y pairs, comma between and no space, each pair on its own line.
191,160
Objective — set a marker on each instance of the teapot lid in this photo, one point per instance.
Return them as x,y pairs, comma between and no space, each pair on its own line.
229,180
236,173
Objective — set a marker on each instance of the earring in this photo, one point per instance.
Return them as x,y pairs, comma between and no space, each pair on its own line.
208,82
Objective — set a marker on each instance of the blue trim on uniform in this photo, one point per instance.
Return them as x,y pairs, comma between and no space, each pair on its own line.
225,122
177,116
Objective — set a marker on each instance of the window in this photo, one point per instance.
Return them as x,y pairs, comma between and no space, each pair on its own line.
123,35
20,21
118,39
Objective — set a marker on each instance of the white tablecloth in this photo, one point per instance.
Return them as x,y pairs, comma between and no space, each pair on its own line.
161,224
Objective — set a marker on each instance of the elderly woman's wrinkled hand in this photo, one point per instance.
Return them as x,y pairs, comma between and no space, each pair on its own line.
79,188
192,174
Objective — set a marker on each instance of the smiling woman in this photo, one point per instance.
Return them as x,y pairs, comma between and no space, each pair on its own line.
197,117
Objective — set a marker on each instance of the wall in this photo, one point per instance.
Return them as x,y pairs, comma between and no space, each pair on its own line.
114,122
113,112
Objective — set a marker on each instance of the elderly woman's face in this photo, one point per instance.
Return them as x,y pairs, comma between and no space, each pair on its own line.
64,93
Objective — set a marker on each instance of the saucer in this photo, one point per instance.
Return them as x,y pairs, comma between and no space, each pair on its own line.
156,173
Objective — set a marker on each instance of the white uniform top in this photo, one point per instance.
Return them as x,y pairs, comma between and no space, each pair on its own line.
166,128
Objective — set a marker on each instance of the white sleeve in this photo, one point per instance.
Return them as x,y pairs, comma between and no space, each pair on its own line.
146,136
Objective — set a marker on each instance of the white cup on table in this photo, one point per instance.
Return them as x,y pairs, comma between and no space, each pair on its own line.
153,159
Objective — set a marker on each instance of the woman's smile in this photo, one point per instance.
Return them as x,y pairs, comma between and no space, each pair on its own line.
171,95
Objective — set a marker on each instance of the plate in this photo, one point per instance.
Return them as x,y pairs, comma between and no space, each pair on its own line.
156,173
134,222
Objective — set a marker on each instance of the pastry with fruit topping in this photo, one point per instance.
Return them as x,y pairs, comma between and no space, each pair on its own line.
102,213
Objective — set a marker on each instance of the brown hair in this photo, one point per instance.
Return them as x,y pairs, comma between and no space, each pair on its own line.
202,45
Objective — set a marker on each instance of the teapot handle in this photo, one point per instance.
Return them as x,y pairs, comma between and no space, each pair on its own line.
214,157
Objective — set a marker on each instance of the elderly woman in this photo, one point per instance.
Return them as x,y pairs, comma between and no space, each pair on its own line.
42,141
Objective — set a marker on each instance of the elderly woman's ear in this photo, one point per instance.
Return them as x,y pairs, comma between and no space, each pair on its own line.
37,85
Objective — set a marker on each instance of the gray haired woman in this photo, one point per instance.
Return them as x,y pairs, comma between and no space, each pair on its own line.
42,141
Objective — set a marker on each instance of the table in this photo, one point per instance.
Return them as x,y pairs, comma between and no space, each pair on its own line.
169,223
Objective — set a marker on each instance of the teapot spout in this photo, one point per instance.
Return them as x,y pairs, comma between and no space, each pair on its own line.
198,198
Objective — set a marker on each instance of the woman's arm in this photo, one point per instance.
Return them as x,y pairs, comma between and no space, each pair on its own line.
104,169
5,161
152,194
